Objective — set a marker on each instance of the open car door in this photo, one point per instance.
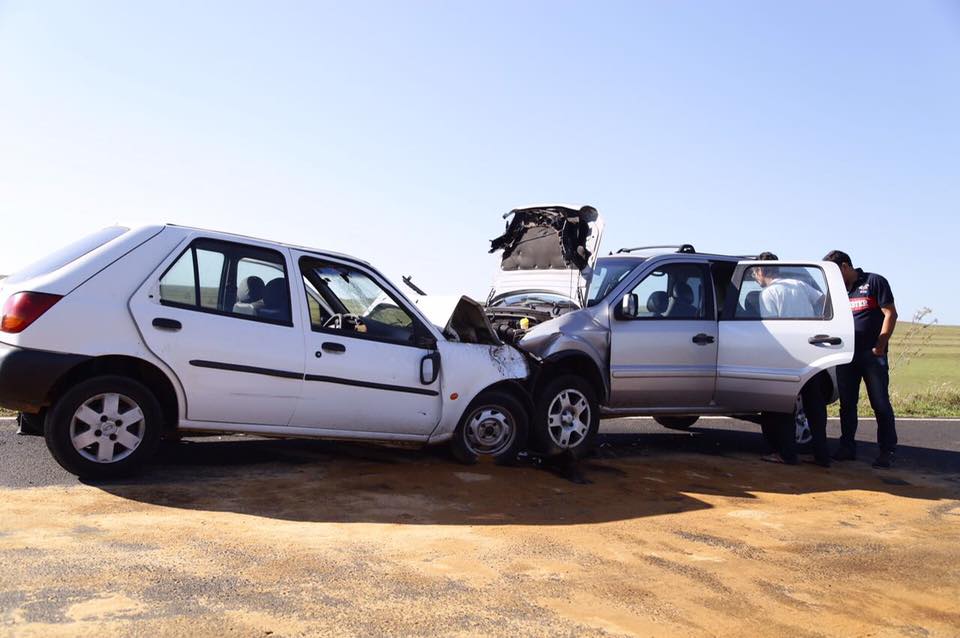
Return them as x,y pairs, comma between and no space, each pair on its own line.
782,323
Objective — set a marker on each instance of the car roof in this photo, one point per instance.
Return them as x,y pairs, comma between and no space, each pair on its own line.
644,254
236,236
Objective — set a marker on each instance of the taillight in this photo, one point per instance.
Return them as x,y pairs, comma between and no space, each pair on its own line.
23,308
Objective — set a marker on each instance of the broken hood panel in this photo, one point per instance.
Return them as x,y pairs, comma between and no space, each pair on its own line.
548,249
460,318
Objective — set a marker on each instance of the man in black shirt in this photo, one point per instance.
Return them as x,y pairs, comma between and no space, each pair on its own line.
874,318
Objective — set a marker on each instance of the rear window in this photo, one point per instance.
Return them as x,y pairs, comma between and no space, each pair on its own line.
66,255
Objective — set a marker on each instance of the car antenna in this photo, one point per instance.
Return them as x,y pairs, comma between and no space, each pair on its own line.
408,279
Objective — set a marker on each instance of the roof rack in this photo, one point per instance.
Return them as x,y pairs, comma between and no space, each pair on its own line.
681,248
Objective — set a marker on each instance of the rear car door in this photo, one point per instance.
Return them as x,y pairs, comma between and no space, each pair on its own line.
220,314
665,356
778,332
365,346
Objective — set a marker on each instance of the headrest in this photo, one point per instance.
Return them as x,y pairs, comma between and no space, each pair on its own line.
250,290
657,303
275,294
683,292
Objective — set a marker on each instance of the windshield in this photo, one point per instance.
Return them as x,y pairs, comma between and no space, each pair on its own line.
606,275
534,297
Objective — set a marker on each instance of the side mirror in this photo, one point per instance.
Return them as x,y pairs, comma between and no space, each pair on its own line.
430,368
628,308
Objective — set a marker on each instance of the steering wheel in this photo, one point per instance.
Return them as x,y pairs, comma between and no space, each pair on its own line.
345,321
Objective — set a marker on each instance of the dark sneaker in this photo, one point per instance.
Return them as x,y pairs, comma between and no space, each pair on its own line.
844,453
884,461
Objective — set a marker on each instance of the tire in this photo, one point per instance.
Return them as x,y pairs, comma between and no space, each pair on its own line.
676,422
101,413
804,434
556,428
493,428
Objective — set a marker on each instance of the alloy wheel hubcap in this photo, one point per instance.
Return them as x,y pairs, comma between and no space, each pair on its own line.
489,431
568,419
107,428
804,435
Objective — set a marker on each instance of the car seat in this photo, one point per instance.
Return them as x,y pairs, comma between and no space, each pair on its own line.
276,301
249,296
657,303
681,302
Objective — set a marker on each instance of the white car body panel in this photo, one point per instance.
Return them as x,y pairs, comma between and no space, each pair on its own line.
437,308
411,408
764,363
467,369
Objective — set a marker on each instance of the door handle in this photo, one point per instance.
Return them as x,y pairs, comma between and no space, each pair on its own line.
822,339
330,346
167,324
702,339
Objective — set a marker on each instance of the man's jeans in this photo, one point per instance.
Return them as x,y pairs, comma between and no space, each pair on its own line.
874,371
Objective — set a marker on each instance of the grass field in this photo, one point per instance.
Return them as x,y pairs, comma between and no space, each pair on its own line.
924,371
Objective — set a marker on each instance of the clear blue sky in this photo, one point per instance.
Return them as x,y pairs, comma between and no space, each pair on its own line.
401,131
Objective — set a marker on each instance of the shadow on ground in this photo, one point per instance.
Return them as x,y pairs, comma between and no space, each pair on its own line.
631,476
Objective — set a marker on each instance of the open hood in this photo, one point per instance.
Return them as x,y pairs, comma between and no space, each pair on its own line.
548,248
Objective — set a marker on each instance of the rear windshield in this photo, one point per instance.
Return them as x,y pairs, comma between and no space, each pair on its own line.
66,255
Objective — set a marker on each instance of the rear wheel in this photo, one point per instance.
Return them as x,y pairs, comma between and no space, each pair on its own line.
493,428
676,422
804,434
104,427
567,417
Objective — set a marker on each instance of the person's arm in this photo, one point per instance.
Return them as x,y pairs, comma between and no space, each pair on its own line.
889,310
889,323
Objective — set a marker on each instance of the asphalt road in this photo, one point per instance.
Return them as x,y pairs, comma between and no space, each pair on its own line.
926,446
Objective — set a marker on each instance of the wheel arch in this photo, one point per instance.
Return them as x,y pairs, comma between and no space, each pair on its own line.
509,386
572,362
826,381
140,370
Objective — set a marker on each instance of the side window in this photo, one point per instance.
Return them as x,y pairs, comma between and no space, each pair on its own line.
231,279
674,291
783,292
345,299
210,270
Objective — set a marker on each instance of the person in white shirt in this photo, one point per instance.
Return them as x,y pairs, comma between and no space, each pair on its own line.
789,298
786,297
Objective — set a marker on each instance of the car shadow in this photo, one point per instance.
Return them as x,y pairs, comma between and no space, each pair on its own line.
631,476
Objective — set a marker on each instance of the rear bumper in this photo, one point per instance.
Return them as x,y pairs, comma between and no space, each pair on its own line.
27,376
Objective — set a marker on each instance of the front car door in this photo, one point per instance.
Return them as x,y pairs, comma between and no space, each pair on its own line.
364,346
778,332
220,315
665,354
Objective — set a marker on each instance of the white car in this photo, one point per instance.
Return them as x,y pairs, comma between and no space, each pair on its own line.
133,334
661,331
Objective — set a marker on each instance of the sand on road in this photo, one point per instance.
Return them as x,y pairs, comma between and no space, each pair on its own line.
393,542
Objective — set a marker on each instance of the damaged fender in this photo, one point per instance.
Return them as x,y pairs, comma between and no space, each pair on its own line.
468,369
572,334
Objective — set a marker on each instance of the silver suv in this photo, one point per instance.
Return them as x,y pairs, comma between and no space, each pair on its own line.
659,331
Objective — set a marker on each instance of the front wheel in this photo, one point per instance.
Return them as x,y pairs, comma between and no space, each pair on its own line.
104,427
567,417
494,427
